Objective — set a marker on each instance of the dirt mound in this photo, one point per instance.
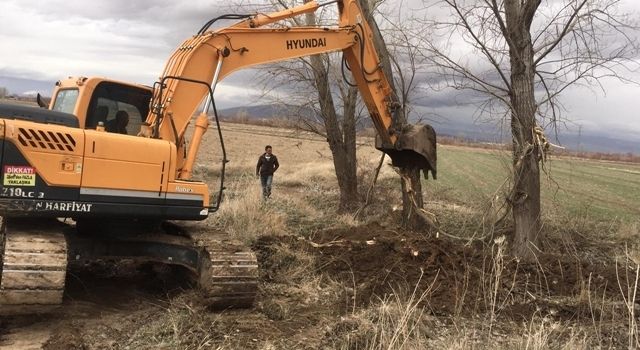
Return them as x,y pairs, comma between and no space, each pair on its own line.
380,263
459,279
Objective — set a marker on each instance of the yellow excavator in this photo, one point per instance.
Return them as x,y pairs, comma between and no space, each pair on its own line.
114,160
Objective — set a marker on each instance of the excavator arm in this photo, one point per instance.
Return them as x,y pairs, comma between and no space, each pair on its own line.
203,60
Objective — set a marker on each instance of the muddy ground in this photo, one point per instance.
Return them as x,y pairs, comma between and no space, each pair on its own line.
311,288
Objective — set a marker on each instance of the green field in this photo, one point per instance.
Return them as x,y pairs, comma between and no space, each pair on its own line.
602,191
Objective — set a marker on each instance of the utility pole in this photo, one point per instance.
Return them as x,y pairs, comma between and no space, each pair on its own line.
579,139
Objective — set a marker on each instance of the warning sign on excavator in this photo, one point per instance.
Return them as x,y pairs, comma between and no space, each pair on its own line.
19,176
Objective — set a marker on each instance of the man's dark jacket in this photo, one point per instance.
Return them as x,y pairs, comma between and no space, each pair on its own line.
267,167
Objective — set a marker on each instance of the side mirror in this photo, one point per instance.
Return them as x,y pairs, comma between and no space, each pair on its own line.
41,103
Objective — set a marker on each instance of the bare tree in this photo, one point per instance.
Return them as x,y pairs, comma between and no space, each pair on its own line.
401,62
319,87
521,55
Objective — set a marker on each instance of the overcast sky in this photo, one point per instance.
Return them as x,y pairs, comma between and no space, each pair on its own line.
130,40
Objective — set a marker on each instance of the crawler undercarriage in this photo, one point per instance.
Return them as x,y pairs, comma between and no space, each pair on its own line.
35,256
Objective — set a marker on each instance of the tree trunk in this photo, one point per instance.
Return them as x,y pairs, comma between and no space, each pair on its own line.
412,199
349,196
341,142
525,199
410,196
526,210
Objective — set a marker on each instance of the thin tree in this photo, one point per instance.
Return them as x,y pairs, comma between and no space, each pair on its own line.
325,105
522,54
401,62
320,86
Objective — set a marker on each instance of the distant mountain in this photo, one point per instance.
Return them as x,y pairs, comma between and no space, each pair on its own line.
21,86
587,140
590,141
265,111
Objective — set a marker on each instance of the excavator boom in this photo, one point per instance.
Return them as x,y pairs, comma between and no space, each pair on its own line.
203,60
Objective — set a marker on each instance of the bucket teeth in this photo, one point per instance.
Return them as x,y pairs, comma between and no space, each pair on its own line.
33,269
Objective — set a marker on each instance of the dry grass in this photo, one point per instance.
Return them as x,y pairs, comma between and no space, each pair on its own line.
395,322
304,189
180,325
628,277
245,216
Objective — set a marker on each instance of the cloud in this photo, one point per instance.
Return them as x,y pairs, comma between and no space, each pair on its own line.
131,40
121,39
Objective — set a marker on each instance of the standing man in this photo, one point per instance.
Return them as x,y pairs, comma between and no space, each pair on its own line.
267,165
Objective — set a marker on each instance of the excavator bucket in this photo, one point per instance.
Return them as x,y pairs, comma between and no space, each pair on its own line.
415,148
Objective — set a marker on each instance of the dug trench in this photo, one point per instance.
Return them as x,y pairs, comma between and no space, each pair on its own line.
309,285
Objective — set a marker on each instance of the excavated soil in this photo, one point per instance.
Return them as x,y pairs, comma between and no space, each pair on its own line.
461,277
127,305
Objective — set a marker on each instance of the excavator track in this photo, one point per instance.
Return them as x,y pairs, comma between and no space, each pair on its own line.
229,276
225,272
34,261
33,267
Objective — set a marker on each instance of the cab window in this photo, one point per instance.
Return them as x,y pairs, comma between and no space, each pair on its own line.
120,108
66,100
